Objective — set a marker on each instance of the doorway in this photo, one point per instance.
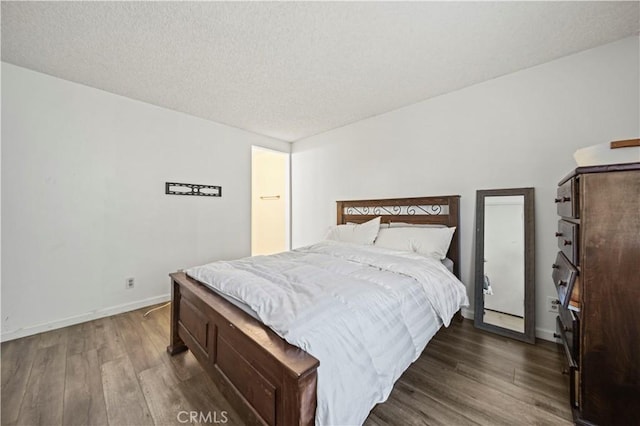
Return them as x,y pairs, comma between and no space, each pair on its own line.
270,212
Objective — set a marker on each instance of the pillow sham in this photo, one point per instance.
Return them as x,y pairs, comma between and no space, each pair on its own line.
432,242
364,233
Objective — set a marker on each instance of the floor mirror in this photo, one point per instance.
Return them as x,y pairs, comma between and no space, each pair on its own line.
504,264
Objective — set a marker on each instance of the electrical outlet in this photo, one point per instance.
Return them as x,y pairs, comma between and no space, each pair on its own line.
552,304
130,283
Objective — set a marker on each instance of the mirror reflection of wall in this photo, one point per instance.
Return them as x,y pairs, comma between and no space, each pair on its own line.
504,261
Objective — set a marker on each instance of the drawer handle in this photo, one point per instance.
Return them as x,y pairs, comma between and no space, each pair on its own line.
565,371
565,328
554,266
567,242
562,199
558,234
231,325
562,283
556,335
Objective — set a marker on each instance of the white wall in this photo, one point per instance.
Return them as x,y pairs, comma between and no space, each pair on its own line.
83,203
519,130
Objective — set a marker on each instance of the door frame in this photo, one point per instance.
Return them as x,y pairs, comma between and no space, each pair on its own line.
287,194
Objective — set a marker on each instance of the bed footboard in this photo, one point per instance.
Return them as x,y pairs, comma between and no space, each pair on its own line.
265,378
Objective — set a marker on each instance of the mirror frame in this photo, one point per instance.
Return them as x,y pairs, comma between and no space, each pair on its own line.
529,334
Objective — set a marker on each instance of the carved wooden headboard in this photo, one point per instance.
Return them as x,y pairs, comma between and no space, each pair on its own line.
443,210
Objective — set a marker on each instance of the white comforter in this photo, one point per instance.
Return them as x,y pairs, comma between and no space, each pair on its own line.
366,313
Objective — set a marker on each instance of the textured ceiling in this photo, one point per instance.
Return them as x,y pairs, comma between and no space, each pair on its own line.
294,69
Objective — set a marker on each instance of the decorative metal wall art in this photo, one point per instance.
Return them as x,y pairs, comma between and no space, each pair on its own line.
175,188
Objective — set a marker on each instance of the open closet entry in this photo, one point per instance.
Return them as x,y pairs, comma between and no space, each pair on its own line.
269,201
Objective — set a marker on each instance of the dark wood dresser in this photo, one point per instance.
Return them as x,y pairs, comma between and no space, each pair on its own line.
597,275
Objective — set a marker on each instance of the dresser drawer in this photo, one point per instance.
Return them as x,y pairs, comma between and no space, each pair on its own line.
564,276
570,325
572,366
567,200
567,235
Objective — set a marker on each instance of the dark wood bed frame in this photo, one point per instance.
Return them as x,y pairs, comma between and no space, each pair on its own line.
265,378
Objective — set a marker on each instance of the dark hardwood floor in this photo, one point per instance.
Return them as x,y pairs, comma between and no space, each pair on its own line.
115,371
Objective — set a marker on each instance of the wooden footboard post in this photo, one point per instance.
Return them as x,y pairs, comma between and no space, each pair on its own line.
176,345
300,400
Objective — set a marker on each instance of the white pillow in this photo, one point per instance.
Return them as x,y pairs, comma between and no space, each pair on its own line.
364,233
432,242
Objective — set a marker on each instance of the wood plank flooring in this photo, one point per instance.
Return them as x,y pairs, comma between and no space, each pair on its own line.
115,371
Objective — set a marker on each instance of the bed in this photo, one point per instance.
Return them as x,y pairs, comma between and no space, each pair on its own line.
267,379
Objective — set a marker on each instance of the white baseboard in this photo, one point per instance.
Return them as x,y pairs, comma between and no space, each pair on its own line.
467,313
544,334
89,316
132,306
541,333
